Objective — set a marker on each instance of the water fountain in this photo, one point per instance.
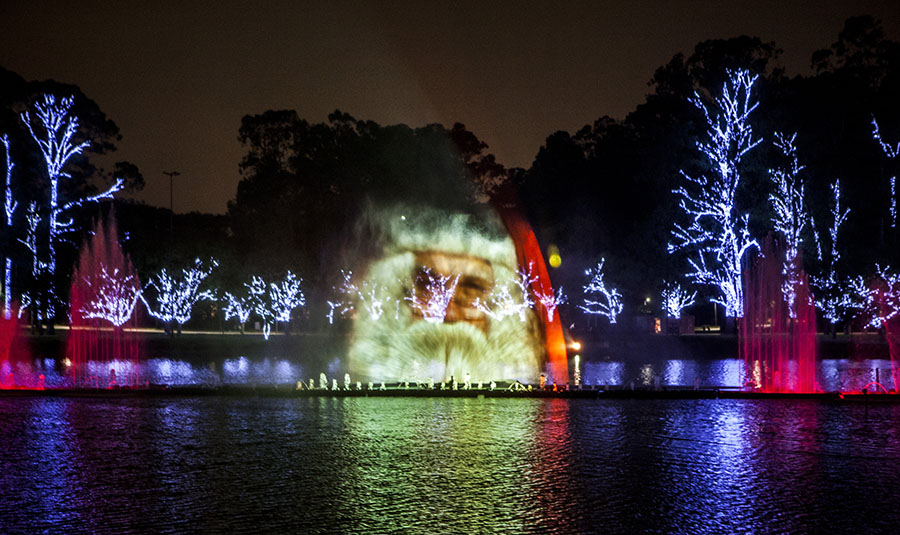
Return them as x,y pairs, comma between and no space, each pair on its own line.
885,294
13,353
103,349
777,339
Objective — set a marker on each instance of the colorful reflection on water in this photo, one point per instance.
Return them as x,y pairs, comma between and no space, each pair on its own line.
831,374
326,465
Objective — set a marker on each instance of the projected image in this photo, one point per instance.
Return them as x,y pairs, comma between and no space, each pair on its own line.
452,304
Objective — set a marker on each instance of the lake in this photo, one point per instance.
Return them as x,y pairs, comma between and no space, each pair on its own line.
446,465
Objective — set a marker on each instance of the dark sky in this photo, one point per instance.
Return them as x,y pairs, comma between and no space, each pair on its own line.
177,77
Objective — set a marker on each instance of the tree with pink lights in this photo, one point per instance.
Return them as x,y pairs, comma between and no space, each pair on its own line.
717,234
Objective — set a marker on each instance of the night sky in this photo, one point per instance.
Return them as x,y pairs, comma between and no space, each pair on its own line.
177,79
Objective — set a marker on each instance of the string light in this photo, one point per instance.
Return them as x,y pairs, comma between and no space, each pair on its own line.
176,297
53,128
675,299
439,291
790,217
717,235
608,301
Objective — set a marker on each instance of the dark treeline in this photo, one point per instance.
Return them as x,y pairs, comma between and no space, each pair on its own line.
603,191
608,188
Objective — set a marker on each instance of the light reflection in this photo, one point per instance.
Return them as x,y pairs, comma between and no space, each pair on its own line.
236,370
674,374
51,444
603,373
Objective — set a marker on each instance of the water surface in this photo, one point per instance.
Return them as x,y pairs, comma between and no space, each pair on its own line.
396,465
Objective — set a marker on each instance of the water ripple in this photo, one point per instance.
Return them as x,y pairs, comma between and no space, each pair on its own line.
400,465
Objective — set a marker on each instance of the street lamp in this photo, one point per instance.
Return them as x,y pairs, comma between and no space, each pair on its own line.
171,203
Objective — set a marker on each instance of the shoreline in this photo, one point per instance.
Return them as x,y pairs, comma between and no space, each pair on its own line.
288,391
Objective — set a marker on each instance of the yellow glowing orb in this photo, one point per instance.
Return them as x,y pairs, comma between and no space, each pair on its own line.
553,256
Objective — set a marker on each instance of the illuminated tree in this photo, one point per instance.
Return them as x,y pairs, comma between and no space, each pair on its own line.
598,298
33,219
9,207
790,217
832,299
285,296
237,307
275,302
340,307
504,301
883,298
501,303
550,300
53,128
675,299
891,152
369,295
717,234
525,277
114,294
439,291
259,302
176,297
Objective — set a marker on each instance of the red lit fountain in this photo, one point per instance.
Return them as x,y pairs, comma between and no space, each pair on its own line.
13,352
103,349
885,295
778,338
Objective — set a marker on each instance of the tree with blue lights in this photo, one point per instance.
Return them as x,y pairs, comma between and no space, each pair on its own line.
599,299
834,298
32,219
717,234
113,295
9,207
175,297
790,217
285,296
237,307
54,129
882,298
675,299
274,302
891,151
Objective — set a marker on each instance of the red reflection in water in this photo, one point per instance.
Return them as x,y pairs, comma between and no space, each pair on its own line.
102,354
778,347
555,460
